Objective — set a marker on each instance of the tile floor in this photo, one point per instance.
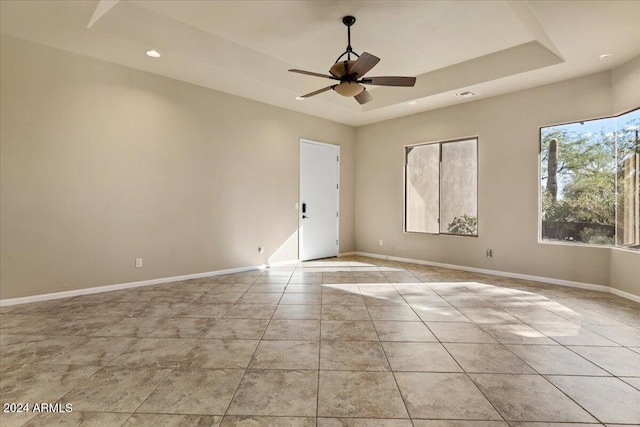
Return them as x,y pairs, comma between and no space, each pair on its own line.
341,342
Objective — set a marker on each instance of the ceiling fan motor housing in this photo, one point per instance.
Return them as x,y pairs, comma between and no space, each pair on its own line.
348,82
342,69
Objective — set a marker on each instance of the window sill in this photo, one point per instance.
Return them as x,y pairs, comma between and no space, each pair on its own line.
586,245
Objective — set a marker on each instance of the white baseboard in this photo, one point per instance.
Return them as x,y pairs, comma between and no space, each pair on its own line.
624,294
118,287
550,280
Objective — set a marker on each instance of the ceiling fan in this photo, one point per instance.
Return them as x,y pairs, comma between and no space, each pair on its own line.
351,73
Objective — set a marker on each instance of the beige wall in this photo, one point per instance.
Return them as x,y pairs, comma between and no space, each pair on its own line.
625,82
625,271
103,164
508,185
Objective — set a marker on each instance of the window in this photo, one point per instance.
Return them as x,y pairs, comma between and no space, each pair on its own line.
441,188
590,190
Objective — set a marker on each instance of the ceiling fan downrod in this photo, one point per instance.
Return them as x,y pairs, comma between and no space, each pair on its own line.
348,21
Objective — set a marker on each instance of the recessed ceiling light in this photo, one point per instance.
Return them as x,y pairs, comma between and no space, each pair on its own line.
413,102
605,56
153,53
300,98
467,94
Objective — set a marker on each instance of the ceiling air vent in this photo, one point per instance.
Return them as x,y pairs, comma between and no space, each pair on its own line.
467,94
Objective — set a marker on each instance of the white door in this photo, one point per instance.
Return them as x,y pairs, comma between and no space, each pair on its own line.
319,195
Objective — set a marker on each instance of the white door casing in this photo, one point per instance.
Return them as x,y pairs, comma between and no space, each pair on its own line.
318,208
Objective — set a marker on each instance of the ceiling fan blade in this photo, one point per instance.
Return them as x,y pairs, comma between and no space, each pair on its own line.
390,81
311,73
365,62
363,97
324,89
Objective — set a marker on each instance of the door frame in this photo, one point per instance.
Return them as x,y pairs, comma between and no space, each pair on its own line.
300,235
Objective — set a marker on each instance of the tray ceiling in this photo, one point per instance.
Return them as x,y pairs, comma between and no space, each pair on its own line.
246,47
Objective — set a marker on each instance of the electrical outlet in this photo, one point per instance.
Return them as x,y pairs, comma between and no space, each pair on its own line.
260,249
489,253
381,243
138,262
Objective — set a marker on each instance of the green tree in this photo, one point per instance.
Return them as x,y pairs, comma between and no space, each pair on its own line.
465,224
586,176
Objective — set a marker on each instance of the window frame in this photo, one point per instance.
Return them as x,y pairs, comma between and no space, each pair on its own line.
540,239
404,184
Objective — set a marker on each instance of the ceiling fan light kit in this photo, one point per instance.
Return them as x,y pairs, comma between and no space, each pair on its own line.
349,89
350,73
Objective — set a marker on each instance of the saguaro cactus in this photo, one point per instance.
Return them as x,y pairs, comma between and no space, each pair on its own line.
552,168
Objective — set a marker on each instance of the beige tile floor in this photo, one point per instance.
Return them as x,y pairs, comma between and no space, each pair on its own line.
340,342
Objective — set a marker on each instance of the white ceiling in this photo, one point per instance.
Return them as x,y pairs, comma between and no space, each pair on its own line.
246,47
